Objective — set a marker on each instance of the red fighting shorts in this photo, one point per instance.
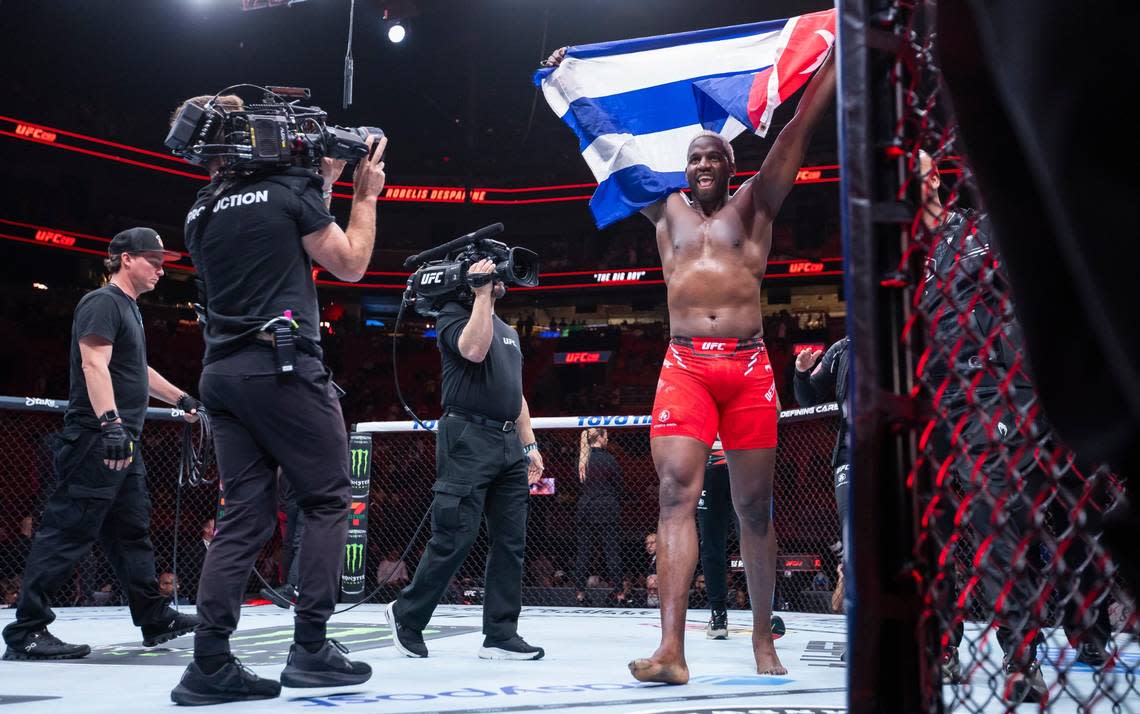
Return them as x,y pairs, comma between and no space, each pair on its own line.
711,384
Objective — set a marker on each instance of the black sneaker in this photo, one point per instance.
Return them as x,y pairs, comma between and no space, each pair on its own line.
1092,653
327,667
231,683
173,624
44,645
1024,683
284,597
514,648
408,642
951,666
717,629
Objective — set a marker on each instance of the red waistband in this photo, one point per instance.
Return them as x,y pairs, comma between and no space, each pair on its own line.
719,345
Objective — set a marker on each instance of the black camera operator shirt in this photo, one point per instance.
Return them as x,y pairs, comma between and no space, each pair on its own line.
493,387
109,313
251,257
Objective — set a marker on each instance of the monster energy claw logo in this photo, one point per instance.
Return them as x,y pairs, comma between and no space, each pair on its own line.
353,556
359,461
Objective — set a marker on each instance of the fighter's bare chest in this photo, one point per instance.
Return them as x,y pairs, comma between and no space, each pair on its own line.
712,239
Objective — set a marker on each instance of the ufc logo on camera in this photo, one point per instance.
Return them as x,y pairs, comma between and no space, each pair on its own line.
435,278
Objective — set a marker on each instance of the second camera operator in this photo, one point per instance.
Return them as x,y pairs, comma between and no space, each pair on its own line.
254,237
486,457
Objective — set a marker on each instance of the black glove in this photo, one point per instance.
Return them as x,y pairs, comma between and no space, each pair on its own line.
117,446
188,403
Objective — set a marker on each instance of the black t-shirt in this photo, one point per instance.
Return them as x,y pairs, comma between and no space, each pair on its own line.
603,476
251,257
493,387
109,313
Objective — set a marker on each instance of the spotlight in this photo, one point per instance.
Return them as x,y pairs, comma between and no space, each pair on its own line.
396,33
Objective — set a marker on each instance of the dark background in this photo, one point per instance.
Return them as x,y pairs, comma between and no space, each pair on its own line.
456,99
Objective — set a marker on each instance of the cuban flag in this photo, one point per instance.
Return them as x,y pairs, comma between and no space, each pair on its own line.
636,104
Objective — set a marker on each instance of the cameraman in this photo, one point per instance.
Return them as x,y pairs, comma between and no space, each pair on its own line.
254,238
485,457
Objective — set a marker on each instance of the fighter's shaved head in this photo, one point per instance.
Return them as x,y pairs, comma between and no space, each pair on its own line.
723,142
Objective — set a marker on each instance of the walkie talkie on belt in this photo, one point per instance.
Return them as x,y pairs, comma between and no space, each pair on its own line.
283,331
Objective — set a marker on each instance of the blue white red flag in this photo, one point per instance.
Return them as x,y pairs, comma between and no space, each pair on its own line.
636,104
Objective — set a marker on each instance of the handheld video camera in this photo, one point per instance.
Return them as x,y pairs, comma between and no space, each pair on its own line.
275,133
439,281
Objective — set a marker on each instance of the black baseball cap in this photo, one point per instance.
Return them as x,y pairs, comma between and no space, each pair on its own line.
140,240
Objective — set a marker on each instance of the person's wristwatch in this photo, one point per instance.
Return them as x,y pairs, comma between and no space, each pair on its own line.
108,416
532,446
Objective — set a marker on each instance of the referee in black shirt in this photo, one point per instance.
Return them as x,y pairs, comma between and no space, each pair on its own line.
100,488
485,458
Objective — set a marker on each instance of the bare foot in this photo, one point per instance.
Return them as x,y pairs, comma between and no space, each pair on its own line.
767,661
650,670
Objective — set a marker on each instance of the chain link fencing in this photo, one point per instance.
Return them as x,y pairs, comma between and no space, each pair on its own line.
565,551
30,427
1020,601
402,462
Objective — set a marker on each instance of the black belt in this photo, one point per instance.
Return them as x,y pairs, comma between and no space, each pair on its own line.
303,344
504,426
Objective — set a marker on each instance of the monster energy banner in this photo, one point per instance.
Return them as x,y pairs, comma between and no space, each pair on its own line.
356,547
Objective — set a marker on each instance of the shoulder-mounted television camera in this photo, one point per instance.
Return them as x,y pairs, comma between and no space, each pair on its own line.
275,133
442,275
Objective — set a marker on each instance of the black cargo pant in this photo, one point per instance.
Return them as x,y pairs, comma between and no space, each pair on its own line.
480,471
294,532
842,473
263,420
995,521
1005,509
90,502
714,512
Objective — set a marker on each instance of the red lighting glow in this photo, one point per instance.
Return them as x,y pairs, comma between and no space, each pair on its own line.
805,266
582,357
500,196
54,238
636,278
34,132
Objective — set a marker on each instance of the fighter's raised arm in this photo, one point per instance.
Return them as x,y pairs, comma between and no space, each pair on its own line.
770,186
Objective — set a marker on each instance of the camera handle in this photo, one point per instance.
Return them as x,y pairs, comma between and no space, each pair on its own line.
478,280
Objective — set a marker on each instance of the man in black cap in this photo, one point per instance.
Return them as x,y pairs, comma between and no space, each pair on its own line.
254,235
100,476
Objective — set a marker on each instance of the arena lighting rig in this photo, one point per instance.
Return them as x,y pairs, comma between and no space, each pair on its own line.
50,237
14,128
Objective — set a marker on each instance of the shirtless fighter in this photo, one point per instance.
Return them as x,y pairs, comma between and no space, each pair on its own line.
716,374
